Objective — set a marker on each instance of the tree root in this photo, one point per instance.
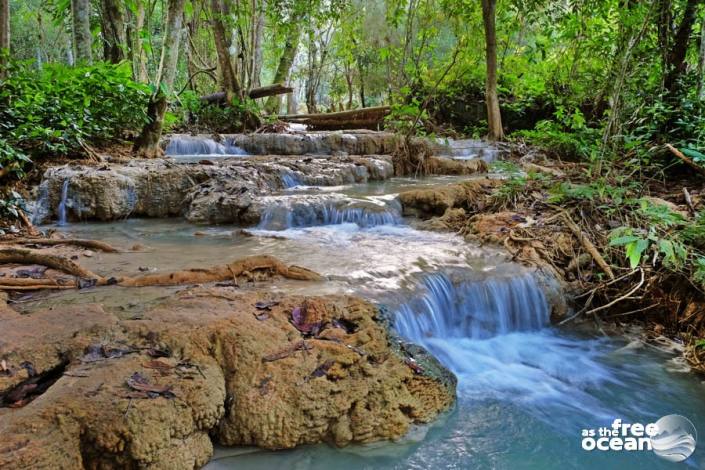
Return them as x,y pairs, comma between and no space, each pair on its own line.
28,256
247,268
83,243
587,244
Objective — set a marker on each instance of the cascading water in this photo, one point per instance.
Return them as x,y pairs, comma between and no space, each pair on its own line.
61,210
290,180
474,310
190,146
494,335
309,211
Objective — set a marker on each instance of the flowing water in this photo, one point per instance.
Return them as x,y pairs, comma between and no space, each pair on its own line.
526,389
62,204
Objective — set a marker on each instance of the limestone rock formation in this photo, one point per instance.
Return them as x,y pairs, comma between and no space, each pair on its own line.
208,193
243,366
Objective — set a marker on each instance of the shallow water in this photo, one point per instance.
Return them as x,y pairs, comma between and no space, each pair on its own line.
526,389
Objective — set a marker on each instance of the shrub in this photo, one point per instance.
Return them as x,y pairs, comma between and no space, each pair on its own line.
58,109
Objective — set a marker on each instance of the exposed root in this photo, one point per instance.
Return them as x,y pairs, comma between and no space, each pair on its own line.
411,156
92,244
28,256
251,268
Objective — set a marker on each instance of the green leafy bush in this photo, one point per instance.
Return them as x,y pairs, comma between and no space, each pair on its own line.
12,161
196,115
57,109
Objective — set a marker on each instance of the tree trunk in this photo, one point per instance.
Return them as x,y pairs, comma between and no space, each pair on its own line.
147,144
291,105
701,62
230,82
114,34
494,117
137,53
284,68
4,32
257,49
676,64
82,38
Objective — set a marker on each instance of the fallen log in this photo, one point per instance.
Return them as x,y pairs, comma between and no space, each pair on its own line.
255,93
365,118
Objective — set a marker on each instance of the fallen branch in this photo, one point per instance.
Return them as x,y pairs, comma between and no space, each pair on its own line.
83,243
620,298
286,352
587,244
688,200
685,159
269,90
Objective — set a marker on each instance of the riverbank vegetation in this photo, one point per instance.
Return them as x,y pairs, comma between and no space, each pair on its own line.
605,99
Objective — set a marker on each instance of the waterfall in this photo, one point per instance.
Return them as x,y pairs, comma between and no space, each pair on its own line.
290,180
187,146
494,334
474,310
61,212
284,213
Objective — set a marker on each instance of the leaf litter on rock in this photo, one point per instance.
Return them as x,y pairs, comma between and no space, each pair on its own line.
140,384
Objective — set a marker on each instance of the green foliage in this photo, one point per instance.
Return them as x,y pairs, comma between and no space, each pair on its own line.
196,115
12,160
58,109
407,117
567,136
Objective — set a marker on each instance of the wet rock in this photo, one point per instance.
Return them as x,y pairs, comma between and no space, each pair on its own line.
343,387
468,195
218,193
318,143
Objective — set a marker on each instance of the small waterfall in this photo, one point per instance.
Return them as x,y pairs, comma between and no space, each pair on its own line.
189,146
290,180
474,310
61,211
284,213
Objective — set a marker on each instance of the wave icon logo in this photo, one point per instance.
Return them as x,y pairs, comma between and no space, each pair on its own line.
675,439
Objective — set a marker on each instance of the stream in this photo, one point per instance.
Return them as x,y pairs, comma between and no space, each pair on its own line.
526,388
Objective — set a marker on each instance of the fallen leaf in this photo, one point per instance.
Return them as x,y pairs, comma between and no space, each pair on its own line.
322,369
140,383
266,305
158,365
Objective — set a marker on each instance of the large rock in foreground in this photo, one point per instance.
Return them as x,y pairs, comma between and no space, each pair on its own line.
248,368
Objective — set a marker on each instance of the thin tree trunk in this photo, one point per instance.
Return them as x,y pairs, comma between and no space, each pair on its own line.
231,84
676,64
494,117
134,38
147,144
257,50
291,105
114,33
284,68
361,72
82,38
4,32
701,62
